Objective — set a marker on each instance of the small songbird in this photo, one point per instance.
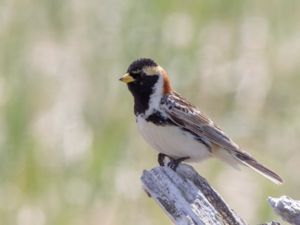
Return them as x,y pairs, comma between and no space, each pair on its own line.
176,128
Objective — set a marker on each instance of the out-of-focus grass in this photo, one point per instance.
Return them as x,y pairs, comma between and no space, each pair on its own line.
69,149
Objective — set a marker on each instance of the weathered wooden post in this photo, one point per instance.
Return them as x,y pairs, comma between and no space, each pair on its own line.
188,199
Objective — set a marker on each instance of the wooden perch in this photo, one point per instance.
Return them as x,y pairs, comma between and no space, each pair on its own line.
187,197
288,209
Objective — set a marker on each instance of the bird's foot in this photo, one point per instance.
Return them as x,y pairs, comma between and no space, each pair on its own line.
173,163
161,158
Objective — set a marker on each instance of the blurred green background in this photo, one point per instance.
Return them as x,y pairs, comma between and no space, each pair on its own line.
69,149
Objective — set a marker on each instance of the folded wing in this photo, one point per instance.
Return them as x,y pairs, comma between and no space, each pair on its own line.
184,114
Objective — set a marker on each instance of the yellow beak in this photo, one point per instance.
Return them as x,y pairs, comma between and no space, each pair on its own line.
126,78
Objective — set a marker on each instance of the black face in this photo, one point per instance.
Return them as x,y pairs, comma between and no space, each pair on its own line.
142,87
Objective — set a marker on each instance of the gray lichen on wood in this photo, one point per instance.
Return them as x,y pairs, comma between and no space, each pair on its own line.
187,197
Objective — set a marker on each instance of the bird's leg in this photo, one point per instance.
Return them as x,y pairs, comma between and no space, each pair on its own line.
160,159
173,164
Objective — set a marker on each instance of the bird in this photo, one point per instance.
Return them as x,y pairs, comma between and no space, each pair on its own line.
175,127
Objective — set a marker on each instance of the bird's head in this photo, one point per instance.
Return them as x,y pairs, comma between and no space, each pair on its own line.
146,76
148,82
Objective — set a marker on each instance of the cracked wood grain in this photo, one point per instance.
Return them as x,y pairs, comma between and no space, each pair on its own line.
187,198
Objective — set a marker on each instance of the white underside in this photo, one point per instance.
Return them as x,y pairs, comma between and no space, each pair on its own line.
172,141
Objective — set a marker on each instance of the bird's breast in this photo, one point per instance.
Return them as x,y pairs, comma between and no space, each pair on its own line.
170,139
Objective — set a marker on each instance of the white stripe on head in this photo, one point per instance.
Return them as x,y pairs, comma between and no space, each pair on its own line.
153,70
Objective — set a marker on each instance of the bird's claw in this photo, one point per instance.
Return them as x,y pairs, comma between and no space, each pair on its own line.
161,158
173,163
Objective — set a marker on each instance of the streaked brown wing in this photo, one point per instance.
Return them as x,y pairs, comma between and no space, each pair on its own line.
184,114
187,116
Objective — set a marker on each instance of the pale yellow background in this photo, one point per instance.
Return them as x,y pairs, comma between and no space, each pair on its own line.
70,153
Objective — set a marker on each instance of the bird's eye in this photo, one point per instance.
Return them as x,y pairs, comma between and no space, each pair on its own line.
136,71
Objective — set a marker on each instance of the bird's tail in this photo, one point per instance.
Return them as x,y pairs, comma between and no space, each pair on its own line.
248,160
